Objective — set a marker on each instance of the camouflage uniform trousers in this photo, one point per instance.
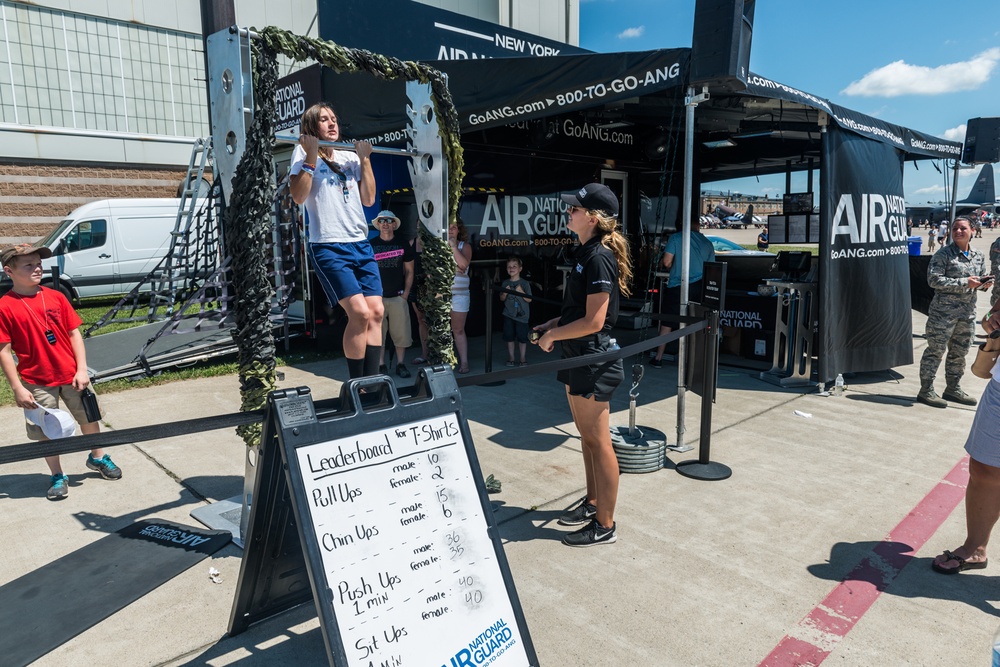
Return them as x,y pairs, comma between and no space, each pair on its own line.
946,329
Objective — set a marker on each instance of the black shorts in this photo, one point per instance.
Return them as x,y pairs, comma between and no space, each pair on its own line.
670,301
597,380
514,330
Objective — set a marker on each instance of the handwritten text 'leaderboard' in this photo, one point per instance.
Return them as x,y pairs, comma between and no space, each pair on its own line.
407,557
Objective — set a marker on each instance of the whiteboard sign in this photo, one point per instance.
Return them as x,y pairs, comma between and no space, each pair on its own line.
409,567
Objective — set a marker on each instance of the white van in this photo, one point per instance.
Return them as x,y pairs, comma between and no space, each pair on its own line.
106,247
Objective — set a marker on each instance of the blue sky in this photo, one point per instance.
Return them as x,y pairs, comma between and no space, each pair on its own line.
923,64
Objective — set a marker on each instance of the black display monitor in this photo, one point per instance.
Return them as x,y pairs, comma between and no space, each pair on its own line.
797,202
794,263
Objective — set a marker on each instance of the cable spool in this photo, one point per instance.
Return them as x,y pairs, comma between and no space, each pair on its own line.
642,451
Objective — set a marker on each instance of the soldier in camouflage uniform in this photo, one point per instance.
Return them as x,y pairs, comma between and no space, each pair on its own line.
995,271
954,274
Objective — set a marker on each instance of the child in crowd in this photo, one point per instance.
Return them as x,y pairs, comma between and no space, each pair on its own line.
931,238
515,310
40,326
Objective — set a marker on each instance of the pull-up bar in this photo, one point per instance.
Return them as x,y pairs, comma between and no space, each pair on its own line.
346,146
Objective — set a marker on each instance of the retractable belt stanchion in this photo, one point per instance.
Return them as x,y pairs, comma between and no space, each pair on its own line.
489,335
704,468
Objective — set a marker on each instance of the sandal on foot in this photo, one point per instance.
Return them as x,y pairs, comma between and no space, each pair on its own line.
419,360
963,564
463,369
510,362
524,363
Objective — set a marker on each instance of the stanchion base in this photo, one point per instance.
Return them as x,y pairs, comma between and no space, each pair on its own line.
680,448
785,380
498,383
222,515
711,471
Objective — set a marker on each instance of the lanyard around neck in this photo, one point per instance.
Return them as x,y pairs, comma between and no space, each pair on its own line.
43,322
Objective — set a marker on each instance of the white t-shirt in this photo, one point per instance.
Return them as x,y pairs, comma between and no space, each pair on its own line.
332,216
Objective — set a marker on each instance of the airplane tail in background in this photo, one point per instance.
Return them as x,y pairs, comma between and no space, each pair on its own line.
984,189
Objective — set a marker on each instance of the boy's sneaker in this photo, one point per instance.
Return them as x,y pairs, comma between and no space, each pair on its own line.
591,535
105,466
582,513
59,488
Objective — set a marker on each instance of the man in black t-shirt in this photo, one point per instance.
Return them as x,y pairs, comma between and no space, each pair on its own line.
395,265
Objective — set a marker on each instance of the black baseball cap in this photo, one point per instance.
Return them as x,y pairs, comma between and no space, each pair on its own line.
594,197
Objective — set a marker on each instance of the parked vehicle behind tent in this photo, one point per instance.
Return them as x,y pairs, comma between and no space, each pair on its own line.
106,247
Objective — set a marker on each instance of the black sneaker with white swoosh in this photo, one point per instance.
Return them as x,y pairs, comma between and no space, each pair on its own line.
591,535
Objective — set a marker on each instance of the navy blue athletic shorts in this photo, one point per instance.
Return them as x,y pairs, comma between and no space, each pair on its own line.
346,269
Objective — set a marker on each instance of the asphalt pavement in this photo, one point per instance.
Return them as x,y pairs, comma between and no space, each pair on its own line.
817,548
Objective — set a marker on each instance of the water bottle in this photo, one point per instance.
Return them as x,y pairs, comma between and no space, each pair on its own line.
996,649
838,385
613,344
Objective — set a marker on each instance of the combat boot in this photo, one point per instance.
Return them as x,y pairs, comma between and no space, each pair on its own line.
956,395
928,396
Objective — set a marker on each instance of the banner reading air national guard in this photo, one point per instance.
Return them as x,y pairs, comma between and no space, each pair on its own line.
864,264
502,225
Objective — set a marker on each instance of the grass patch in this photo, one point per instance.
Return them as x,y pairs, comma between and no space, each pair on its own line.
812,248
206,369
91,310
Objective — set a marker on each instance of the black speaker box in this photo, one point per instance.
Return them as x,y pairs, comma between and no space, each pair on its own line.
982,140
720,45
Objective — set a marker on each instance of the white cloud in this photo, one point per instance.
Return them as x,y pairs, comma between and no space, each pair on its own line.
955,134
632,33
900,78
931,190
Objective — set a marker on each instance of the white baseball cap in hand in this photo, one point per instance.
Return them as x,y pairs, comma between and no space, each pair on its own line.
54,423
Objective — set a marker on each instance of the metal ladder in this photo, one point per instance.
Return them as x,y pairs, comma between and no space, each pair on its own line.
181,263
194,254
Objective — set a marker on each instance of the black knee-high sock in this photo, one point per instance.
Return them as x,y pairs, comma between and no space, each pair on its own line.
355,368
372,354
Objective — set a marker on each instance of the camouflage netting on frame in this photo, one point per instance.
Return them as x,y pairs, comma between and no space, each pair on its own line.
247,220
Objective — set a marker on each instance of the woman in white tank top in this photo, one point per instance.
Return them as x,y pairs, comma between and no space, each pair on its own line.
460,297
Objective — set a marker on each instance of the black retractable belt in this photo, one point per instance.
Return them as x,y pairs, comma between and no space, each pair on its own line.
82,443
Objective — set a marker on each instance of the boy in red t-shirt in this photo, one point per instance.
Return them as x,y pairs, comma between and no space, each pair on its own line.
40,326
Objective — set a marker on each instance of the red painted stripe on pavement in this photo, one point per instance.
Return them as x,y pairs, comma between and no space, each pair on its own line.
839,612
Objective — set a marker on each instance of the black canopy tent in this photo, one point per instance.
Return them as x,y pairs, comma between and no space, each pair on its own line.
574,115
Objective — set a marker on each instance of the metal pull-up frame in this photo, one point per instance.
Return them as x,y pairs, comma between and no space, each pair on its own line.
346,146
230,88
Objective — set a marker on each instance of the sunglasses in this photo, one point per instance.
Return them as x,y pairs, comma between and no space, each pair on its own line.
573,209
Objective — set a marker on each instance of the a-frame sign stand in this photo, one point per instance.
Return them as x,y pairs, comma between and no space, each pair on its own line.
373,506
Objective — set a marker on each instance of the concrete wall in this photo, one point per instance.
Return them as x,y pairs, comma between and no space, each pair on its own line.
34,198
49,166
185,15
46,172
554,19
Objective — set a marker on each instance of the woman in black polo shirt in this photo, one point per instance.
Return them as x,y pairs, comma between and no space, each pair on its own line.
602,273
